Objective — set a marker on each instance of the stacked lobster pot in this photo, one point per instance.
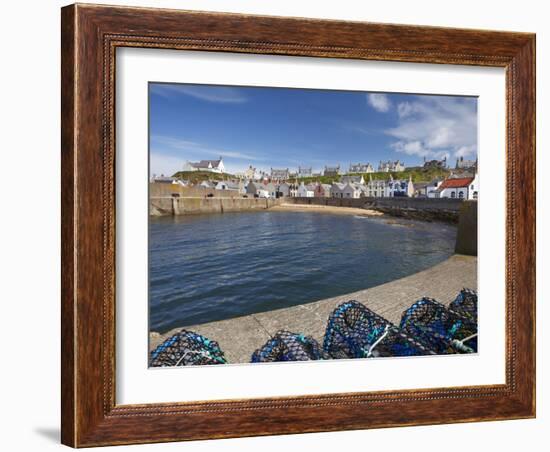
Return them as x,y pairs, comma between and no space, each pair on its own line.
187,348
287,346
354,331
426,328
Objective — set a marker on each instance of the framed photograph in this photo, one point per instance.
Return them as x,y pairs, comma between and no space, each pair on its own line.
282,225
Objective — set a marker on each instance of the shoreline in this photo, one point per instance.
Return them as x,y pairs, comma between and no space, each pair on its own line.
240,336
336,210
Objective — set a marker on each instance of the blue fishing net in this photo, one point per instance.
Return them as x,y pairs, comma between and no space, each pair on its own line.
444,330
287,346
354,331
465,304
186,348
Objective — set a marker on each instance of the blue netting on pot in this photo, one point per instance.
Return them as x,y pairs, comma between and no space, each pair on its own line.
354,331
287,346
187,348
444,330
465,304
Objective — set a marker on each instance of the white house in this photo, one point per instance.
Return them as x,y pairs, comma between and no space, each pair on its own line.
305,172
376,188
360,168
397,188
353,191
213,166
459,188
431,188
336,190
306,191
236,187
390,166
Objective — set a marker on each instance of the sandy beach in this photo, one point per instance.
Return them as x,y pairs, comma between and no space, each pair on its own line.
327,209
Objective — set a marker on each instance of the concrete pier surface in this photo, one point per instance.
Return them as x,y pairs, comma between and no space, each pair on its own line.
239,337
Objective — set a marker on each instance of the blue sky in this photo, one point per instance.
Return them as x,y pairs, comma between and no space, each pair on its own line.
283,127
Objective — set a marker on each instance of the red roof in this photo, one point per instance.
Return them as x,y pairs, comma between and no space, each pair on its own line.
456,183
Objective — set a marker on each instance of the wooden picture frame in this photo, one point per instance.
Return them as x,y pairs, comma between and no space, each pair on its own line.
90,36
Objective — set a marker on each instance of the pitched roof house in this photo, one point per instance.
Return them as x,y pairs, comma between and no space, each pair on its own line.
459,188
214,166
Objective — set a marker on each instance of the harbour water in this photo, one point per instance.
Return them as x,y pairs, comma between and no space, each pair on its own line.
204,268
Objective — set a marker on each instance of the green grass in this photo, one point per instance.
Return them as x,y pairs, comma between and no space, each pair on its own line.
418,175
196,177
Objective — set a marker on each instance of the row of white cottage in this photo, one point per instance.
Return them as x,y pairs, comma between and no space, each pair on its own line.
348,187
356,187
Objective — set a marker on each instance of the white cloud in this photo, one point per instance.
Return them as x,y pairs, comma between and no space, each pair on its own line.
216,94
380,102
435,127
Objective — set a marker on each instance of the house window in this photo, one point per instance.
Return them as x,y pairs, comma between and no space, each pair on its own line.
461,195
453,195
475,195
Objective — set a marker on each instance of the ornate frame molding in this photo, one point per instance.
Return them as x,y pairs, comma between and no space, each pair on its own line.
90,37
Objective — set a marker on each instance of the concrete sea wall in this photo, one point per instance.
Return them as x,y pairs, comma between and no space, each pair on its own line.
186,206
163,190
415,208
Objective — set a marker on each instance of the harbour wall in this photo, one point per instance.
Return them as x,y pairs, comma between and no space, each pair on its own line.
426,209
161,190
160,206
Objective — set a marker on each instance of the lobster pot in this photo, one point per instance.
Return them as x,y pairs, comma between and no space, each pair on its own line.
443,330
354,331
465,304
287,346
187,348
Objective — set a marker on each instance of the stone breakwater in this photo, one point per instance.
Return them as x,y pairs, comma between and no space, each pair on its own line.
239,337
168,205
447,210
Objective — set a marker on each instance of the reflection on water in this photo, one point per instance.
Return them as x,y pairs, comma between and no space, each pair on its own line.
212,267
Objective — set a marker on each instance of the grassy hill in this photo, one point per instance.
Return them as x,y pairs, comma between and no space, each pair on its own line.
196,177
418,175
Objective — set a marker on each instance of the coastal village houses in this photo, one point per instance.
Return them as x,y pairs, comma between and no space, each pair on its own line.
213,166
435,163
462,164
280,174
360,168
390,166
332,170
461,184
